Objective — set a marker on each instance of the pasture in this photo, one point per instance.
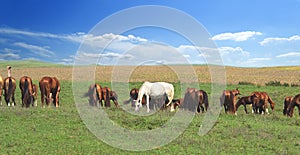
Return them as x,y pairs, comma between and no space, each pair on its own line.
60,130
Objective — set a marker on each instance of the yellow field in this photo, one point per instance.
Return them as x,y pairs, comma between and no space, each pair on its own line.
258,76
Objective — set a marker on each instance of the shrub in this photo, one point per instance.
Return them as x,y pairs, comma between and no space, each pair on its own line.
273,83
245,83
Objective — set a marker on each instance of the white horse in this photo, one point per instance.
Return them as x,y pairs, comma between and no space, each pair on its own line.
154,89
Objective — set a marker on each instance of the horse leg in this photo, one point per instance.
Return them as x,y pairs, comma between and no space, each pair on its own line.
13,99
147,101
245,108
266,107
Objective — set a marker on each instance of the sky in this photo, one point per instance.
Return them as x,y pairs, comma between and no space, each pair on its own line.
254,33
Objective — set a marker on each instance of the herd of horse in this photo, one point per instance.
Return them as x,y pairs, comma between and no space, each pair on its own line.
152,95
49,88
160,94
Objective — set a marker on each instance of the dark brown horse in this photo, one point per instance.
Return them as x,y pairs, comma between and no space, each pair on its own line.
133,97
195,99
264,98
1,87
250,100
50,89
9,90
286,104
95,94
228,99
177,102
26,88
295,103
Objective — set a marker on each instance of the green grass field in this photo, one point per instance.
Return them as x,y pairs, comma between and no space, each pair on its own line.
61,131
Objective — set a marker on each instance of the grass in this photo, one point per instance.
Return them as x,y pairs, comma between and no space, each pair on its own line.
61,131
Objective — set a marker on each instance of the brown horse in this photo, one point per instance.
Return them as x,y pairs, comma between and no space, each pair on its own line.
286,104
195,99
265,98
228,99
177,102
35,93
95,94
107,95
26,88
133,97
50,89
295,102
9,90
1,87
252,100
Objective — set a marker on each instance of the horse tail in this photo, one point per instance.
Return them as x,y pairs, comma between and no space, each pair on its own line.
205,98
10,87
271,102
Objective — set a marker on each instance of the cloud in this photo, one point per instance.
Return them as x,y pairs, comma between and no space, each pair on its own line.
38,50
239,36
270,40
259,59
290,54
7,53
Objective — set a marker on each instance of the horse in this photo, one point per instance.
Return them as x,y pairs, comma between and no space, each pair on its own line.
195,99
252,100
35,93
1,87
295,102
133,95
95,94
286,104
26,88
177,102
114,98
155,90
228,99
265,98
9,90
50,89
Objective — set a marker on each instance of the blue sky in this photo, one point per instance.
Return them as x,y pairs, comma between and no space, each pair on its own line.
247,33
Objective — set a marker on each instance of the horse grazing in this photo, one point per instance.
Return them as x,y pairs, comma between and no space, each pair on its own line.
228,99
158,91
295,102
95,94
265,98
35,93
286,104
50,89
1,87
133,95
9,90
195,99
252,100
26,88
177,102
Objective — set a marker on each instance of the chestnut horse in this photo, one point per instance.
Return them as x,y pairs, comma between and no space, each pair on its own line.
265,98
286,104
9,90
195,99
295,102
1,87
228,99
35,93
50,89
107,95
26,88
94,94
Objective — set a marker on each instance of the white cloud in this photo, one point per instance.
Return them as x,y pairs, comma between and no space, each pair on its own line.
259,59
9,54
270,40
38,50
239,36
290,54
